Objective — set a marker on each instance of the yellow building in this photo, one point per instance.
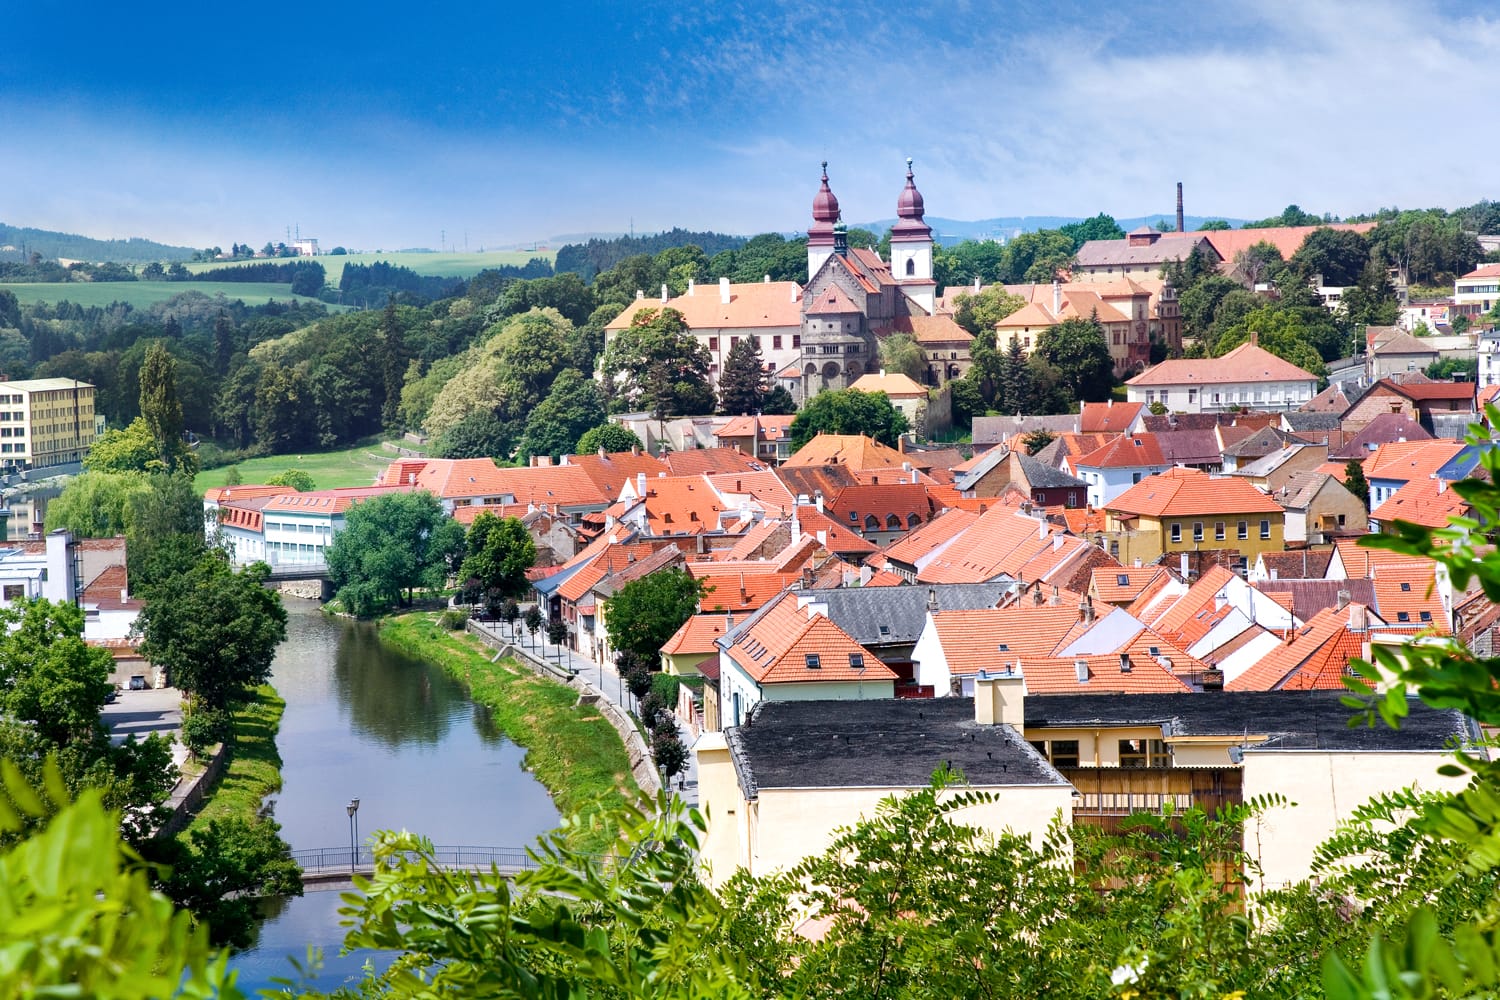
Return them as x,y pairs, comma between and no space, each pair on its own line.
776,790
1186,512
45,422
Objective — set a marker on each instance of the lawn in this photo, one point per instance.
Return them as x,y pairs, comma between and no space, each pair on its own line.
443,265
356,466
571,748
141,294
254,769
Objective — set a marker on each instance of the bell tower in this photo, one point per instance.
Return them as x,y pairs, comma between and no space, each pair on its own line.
820,235
911,246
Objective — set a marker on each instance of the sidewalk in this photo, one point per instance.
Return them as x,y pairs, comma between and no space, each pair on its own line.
606,680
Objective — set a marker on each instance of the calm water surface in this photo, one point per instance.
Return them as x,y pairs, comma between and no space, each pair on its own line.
365,721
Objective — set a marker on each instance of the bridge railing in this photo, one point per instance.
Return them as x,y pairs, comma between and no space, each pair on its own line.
363,858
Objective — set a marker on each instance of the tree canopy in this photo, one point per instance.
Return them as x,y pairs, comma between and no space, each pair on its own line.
849,411
742,383
610,436
656,365
643,614
391,545
1077,350
500,551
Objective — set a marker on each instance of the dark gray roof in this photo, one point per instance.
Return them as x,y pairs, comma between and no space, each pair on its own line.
890,743
1295,720
970,477
1262,442
1299,421
1102,253
901,611
1042,476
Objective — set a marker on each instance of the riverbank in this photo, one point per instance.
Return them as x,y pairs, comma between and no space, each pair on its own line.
254,767
571,748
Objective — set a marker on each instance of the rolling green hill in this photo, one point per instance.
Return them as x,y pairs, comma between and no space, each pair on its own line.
141,294
74,247
443,265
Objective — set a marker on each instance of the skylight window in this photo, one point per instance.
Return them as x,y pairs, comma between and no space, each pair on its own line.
1405,587
813,663
857,661
1403,616
1005,647
1123,580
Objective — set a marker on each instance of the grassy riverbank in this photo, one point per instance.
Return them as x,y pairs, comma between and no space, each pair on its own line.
254,768
572,749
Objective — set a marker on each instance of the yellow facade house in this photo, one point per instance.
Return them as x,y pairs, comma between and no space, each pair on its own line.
777,787
1184,513
45,422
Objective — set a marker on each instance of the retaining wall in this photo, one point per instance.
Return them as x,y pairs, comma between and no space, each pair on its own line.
189,793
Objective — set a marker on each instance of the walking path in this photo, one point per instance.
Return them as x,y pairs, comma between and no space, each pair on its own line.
605,679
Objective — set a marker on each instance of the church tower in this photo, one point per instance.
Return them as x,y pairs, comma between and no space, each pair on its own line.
911,247
820,235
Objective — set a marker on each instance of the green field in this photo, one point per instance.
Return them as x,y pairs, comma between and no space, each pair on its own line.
443,265
330,469
141,294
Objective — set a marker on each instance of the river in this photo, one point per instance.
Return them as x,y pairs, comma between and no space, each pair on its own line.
363,720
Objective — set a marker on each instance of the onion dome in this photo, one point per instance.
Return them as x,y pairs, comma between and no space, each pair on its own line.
825,205
909,205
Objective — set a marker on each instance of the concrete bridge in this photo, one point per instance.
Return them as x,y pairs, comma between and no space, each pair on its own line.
297,571
330,868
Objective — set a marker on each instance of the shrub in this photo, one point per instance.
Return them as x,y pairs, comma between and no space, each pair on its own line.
453,619
665,686
203,726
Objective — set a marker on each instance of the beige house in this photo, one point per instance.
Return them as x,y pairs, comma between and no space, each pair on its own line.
1319,508
904,392
45,422
776,790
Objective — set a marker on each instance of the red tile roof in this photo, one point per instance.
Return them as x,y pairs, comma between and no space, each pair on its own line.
705,461
610,471
1428,501
780,645
228,494
1124,585
1316,656
698,634
757,304
1135,451
1246,363
1189,492
1408,460
908,503
1108,418
853,450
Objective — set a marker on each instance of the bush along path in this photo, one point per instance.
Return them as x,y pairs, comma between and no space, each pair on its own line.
571,748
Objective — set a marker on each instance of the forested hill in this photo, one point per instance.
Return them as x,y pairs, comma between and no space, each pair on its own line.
588,259
18,242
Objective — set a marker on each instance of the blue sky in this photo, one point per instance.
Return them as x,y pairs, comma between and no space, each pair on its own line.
382,124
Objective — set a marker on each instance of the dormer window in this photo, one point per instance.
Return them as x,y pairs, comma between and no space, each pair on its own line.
813,663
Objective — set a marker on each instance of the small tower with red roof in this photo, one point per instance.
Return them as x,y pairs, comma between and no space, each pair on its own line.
820,235
911,246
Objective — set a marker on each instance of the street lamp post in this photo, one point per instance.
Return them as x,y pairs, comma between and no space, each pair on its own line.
353,810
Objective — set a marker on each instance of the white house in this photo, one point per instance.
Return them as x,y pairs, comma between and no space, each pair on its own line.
1247,377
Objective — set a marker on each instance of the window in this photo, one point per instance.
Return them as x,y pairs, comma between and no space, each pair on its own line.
1164,395
776,342
857,661
1176,532
796,340
1405,587
713,343
1403,616
1135,477
1117,337
1062,753
14,591
1265,530
1150,396
1122,580
1244,529
734,342
1218,531
1197,531
911,267
813,663
1144,753
1192,396
1426,616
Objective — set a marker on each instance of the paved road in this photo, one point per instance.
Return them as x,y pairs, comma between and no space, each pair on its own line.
607,680
141,713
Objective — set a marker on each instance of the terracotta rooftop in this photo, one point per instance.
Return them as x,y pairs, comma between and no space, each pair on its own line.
1427,501
1131,451
1315,656
896,385
609,471
228,494
1288,239
1246,363
1108,418
1404,461
785,644
1188,492
753,305
705,461
853,450
698,634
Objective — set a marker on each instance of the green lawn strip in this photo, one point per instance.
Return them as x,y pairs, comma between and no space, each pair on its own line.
357,466
572,748
144,294
254,768
445,265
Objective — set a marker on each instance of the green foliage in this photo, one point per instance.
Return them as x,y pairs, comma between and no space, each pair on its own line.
479,434
499,552
1290,216
453,620
849,411
162,410
129,449
900,352
1212,225
644,613
980,313
232,476
1259,263
656,365
223,871
1100,227
391,545
1284,333
1372,300
295,478
48,676
1036,440
665,687
967,261
204,726
1339,255
163,530
215,629
1078,351
1446,368
572,407
96,504
1039,256
80,916
1427,247
742,384
609,436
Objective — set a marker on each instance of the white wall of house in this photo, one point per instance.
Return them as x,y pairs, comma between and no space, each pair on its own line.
1221,396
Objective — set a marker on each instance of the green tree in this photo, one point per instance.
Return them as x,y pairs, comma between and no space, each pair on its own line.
295,478
1355,481
1078,350
900,352
1292,215
1040,256
980,313
1372,300
1212,225
968,261
643,614
214,630
1285,333
480,434
96,504
656,365
1445,368
849,411
742,384
131,449
48,677
1339,255
390,546
609,436
1260,263
500,551
224,871
1100,227
163,530
572,407
162,410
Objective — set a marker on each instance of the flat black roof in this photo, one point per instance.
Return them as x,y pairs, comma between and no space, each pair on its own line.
900,742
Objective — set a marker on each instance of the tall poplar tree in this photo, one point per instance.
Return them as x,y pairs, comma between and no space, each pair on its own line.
162,410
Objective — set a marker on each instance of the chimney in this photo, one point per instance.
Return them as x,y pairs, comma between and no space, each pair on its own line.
640,485
794,288
639,295
635,449
1086,610
1000,699
1343,599
1056,600
1056,297
1359,618
818,501
977,286
724,290
602,452
690,286
766,280
1180,229
932,604
807,578
1036,596
1213,679
1254,338
664,293
1081,670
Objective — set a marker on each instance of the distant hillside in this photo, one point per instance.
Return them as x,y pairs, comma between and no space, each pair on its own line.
950,231
18,242
588,259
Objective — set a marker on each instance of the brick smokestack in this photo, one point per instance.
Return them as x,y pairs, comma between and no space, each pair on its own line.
1180,229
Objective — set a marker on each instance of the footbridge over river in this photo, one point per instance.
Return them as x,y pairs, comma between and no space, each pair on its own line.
326,868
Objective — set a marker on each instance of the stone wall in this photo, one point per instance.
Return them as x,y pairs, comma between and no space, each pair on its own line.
189,793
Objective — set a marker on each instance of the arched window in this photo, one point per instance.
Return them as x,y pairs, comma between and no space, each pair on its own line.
911,266
872,523
893,523
912,520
